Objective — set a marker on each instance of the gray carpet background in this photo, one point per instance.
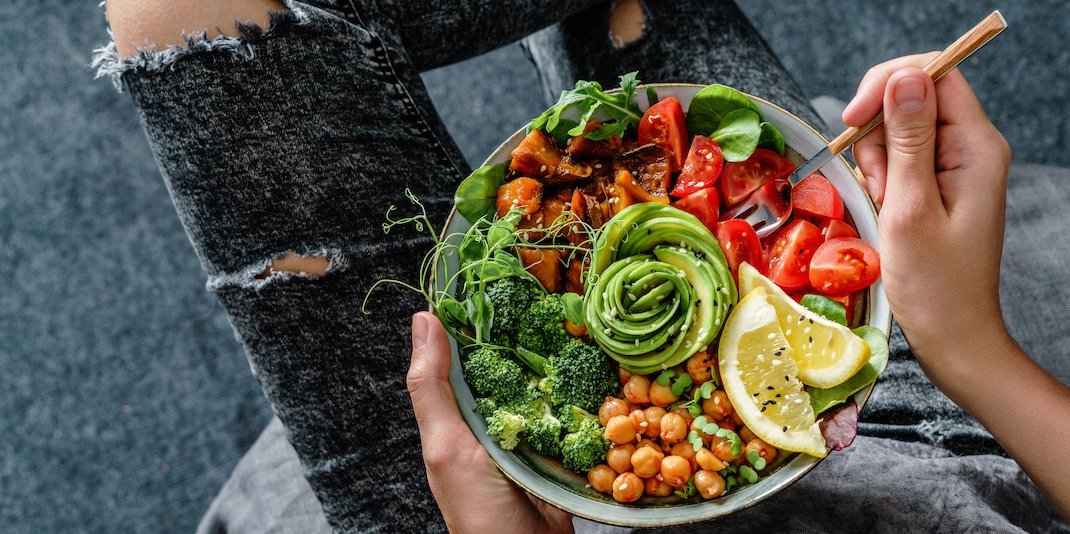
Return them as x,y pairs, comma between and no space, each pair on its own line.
125,400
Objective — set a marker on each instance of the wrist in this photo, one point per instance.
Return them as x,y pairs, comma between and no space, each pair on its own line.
959,367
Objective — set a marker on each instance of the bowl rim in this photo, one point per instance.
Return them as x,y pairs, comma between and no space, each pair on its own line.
782,484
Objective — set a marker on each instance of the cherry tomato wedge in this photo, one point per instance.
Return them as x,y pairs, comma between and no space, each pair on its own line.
847,301
702,167
664,125
740,243
832,229
703,204
815,196
788,261
739,179
844,265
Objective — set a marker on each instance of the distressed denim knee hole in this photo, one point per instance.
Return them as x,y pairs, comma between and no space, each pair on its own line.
289,265
627,22
307,265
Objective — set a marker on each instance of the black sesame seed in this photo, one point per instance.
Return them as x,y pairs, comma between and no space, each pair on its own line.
697,302
770,388
766,402
811,321
777,353
648,231
755,394
778,395
772,402
763,408
785,378
785,429
811,339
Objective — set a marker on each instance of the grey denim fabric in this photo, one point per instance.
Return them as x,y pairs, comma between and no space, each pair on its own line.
296,138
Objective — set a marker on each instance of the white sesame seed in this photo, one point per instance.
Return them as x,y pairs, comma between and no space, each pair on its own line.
542,169
771,335
624,486
761,357
728,246
787,332
806,330
644,424
776,363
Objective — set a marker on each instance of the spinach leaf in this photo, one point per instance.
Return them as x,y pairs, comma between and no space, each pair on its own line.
771,138
573,307
822,399
825,306
476,195
710,106
588,97
738,134
449,308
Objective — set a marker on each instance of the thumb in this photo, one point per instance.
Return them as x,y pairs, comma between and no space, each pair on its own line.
428,383
910,137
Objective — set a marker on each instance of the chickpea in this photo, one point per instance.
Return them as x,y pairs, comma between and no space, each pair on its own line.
661,395
686,451
702,433
637,389
698,366
708,461
647,443
619,457
601,478
653,421
727,423
610,407
675,471
619,429
723,450
628,487
764,449
646,461
673,428
717,406
639,420
623,376
683,412
745,434
657,488
709,484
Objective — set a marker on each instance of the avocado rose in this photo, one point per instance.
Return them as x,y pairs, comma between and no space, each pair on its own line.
658,289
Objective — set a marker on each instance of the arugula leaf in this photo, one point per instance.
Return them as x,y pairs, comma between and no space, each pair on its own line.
738,134
771,138
573,307
828,308
588,98
710,106
476,195
821,399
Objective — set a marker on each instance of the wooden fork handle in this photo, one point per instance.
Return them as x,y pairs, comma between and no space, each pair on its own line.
961,49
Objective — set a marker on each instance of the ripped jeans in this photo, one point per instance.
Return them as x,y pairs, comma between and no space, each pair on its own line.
296,139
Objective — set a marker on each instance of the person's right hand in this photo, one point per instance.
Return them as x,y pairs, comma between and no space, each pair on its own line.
939,168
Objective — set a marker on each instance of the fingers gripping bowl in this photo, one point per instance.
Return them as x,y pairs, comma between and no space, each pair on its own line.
634,270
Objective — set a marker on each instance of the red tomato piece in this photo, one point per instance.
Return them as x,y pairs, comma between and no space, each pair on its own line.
703,204
815,196
702,167
740,243
844,265
788,262
739,179
664,125
832,229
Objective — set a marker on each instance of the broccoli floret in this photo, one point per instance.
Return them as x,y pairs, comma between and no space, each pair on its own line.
542,328
585,448
581,375
493,373
507,426
510,298
485,407
572,417
543,432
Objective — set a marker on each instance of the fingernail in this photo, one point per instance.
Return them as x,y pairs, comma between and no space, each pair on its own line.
909,93
419,331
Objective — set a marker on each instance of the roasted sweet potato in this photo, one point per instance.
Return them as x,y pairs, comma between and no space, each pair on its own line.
523,193
649,164
574,276
545,265
582,147
570,171
537,156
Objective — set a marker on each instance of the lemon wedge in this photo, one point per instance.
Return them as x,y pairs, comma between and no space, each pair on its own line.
827,353
760,378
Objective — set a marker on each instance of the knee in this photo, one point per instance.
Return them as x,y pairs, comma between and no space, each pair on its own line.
140,23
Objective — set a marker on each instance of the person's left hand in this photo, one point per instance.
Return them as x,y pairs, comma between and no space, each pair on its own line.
471,493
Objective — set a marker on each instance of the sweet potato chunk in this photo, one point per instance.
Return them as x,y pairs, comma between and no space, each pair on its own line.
537,155
523,193
582,147
574,276
649,164
544,264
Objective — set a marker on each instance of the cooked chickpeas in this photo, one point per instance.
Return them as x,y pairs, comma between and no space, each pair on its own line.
627,487
646,461
683,412
717,406
610,407
661,395
698,367
708,461
723,450
637,389
657,488
653,421
745,434
623,375
675,471
639,420
686,451
619,429
619,457
601,478
648,443
673,428
709,484
764,449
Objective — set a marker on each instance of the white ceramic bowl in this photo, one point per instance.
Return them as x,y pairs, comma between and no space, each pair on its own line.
546,479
